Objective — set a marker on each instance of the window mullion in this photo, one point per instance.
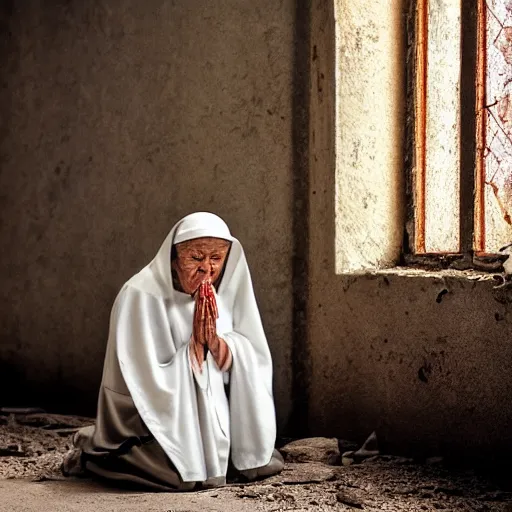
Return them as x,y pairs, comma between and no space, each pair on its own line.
468,97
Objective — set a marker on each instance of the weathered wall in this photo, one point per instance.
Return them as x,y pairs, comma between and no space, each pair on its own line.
369,125
429,372
429,376
118,118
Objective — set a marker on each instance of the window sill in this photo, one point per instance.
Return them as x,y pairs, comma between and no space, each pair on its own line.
468,275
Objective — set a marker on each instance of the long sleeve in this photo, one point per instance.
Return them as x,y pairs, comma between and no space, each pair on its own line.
159,379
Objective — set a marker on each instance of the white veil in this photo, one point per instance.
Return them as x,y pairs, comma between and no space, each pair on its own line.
151,324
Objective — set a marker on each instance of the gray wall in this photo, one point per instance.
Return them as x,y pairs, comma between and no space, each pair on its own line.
118,118
431,377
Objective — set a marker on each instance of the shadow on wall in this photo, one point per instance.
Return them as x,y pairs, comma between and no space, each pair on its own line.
120,122
20,390
423,358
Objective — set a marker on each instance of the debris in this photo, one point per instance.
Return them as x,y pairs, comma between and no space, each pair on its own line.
248,494
283,496
369,448
350,501
434,461
72,463
64,432
369,460
393,484
12,451
29,451
46,477
347,458
301,474
496,496
399,460
20,410
451,491
507,264
439,297
52,421
313,449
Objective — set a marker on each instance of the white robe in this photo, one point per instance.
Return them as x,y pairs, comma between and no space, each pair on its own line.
189,413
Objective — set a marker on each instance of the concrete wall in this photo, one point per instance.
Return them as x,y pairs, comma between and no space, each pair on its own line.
118,118
431,377
429,371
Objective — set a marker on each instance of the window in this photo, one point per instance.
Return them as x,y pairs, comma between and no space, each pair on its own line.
460,140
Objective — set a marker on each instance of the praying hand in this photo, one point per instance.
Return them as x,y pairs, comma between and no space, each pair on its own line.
204,331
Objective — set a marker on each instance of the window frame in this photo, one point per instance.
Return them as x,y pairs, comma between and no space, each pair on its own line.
472,143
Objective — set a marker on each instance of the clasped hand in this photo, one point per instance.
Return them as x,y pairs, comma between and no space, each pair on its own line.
204,329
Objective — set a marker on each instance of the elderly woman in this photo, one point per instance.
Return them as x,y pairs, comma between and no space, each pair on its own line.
187,381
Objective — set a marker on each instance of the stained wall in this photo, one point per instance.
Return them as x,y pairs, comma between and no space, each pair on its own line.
118,118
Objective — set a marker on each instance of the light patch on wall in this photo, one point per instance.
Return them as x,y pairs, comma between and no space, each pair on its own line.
369,144
442,142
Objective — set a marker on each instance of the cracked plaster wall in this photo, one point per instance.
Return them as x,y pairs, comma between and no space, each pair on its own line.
422,358
118,118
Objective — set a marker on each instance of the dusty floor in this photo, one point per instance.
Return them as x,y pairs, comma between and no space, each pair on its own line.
31,449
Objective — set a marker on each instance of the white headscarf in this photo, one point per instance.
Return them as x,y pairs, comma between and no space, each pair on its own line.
152,322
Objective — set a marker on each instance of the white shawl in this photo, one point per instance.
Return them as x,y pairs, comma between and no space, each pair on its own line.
151,325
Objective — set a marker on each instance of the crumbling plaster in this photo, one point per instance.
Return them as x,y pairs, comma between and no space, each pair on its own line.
423,359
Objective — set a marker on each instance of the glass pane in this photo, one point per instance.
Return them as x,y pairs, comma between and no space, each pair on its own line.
442,144
498,119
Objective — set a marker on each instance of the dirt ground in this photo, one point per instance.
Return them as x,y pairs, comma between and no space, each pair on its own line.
32,446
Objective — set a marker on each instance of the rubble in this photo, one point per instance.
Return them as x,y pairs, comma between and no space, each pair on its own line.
313,449
32,442
34,446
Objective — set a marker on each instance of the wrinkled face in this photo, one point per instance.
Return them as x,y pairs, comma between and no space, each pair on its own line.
199,259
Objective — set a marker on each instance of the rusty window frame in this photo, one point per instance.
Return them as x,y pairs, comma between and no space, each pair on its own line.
472,143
